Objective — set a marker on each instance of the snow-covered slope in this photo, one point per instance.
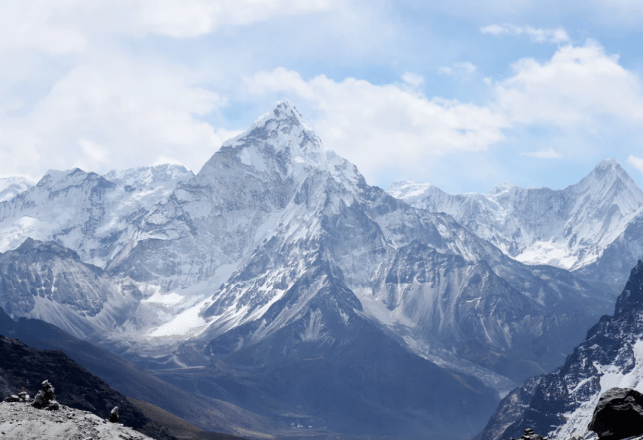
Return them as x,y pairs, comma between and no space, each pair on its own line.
562,403
567,228
91,214
12,186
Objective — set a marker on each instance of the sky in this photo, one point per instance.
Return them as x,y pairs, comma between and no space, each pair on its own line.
462,94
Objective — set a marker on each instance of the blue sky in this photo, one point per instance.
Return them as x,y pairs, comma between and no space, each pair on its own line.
462,94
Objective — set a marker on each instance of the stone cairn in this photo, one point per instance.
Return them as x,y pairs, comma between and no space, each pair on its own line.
113,415
21,397
530,435
46,399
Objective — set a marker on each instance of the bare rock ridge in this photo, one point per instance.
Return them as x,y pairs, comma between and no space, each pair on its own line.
562,403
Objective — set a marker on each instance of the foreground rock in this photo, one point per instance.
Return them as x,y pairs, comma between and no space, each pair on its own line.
46,398
23,369
20,420
530,434
618,415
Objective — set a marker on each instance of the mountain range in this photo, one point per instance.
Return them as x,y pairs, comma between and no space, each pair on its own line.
589,228
278,280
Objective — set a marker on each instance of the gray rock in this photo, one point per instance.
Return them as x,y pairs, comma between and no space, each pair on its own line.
46,398
113,415
618,414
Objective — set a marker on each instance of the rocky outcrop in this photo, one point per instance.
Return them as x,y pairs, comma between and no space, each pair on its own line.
618,415
19,420
561,404
23,368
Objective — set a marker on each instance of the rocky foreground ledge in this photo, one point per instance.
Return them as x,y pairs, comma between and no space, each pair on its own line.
19,420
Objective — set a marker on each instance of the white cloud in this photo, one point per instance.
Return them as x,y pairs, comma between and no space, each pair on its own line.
384,127
579,86
188,18
636,162
549,153
460,70
413,79
557,35
66,26
116,114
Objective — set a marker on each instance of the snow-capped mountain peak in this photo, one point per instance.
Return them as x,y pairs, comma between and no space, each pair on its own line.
279,147
12,186
568,228
146,176
610,182
502,188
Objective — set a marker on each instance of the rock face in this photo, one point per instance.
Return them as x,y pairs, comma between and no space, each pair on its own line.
47,281
562,403
618,415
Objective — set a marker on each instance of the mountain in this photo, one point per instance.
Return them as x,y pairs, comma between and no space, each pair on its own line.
49,282
562,403
295,255
569,228
88,213
12,186
279,280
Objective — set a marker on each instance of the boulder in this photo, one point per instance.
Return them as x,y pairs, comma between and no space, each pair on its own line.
618,414
21,397
113,415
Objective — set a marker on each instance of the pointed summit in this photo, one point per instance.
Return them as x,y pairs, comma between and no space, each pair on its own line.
281,120
277,143
607,163
609,179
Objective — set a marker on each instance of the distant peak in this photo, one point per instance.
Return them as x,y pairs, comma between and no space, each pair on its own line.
504,186
30,246
277,125
607,164
286,107
283,111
